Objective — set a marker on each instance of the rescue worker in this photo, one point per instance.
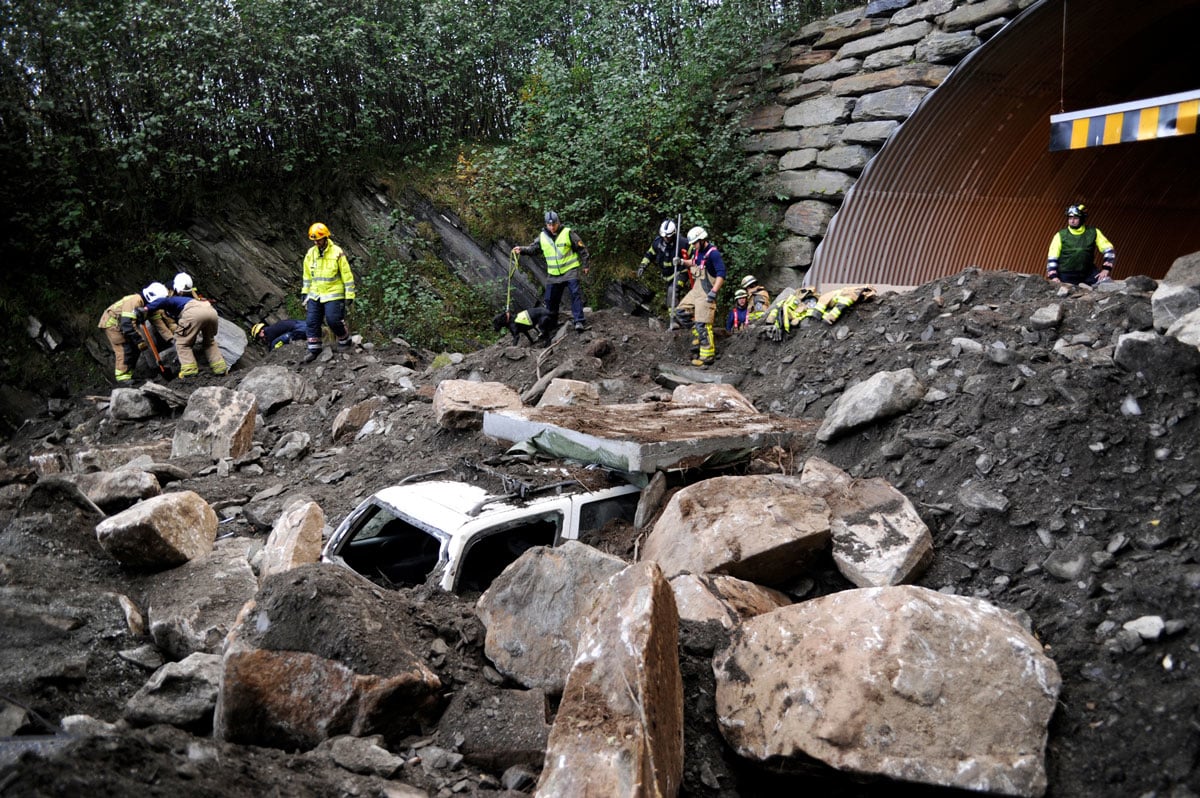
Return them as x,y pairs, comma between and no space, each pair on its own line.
737,319
1072,255
699,307
327,289
662,253
806,304
196,321
183,284
565,255
119,322
280,333
758,297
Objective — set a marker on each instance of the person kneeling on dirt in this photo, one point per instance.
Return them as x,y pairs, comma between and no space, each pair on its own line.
196,320
1072,255
280,333
118,322
737,321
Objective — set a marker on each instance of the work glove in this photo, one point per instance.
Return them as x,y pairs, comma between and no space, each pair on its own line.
642,266
712,297
676,261
775,334
139,315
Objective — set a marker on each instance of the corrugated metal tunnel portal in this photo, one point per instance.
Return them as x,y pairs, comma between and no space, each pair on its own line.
968,179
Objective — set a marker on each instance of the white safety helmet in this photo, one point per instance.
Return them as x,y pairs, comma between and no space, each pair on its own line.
154,291
183,283
748,281
666,229
697,234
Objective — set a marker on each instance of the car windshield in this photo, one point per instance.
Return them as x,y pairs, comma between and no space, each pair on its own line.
390,549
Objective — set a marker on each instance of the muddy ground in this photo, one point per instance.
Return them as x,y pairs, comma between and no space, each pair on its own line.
1056,484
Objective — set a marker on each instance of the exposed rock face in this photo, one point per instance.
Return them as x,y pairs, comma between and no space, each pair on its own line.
182,694
723,599
160,532
758,528
113,491
878,397
295,540
901,681
619,728
276,386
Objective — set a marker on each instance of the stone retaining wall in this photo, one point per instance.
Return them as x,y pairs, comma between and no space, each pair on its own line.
835,93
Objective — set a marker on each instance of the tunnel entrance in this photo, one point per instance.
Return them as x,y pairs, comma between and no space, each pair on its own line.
969,178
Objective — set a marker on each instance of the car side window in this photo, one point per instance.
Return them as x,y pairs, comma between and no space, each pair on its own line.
495,549
597,514
391,551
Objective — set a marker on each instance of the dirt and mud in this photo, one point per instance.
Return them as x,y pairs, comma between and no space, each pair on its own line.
1056,484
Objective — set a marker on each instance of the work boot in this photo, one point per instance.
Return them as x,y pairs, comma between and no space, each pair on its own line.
580,326
702,362
344,345
312,355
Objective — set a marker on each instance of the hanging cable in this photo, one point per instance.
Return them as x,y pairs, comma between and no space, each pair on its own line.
1062,67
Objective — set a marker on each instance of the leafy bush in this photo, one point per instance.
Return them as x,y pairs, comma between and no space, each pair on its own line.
418,298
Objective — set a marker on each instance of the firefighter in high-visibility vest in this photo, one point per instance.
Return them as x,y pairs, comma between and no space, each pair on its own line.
1072,254
328,289
566,257
119,322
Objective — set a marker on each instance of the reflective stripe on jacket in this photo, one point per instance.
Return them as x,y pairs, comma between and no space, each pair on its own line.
327,275
1074,251
560,256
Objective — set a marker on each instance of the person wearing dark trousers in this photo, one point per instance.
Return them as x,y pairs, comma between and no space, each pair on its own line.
328,290
566,257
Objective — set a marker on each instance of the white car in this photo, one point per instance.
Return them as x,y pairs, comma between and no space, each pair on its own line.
402,534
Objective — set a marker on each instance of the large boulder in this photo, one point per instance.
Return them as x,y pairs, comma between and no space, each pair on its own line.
619,728
533,611
760,528
216,423
321,652
160,532
192,608
902,681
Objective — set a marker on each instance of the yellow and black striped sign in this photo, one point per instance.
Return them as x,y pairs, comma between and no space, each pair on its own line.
1155,118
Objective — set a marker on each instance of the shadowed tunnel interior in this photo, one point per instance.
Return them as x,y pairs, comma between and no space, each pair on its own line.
969,179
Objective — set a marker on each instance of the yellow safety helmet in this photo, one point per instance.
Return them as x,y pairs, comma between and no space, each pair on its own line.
318,231
256,329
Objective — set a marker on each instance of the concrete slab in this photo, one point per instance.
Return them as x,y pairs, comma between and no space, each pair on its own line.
646,437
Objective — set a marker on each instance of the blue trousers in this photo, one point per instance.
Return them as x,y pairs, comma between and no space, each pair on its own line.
332,313
554,292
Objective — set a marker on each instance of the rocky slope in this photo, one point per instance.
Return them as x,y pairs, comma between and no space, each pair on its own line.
1054,469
